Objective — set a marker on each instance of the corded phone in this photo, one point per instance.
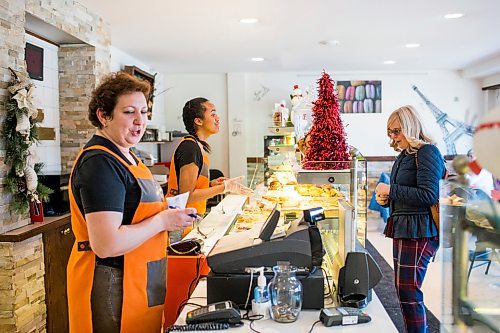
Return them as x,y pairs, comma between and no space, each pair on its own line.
215,316
189,247
220,312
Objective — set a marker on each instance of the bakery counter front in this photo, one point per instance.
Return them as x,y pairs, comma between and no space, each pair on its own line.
185,269
241,237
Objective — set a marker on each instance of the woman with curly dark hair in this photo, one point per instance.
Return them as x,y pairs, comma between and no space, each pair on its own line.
189,170
117,268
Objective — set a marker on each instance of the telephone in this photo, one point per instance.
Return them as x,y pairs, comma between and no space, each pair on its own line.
343,316
220,312
191,246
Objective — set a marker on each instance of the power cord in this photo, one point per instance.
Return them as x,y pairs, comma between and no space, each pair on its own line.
196,277
314,324
249,288
251,319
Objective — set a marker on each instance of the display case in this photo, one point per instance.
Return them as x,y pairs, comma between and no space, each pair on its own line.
351,182
470,243
279,151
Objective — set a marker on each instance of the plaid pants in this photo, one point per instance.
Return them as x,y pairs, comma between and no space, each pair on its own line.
411,257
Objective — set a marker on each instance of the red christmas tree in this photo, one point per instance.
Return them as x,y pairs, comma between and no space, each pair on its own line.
327,138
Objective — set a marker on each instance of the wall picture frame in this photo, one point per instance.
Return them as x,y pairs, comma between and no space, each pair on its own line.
360,96
34,61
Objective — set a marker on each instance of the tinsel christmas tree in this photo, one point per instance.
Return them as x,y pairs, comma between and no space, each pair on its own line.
326,140
20,134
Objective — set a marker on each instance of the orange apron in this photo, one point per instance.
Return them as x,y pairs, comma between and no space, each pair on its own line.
202,182
143,288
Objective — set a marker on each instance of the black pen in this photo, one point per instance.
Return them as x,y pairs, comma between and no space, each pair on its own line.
194,216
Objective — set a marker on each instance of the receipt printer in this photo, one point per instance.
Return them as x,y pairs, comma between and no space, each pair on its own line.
314,215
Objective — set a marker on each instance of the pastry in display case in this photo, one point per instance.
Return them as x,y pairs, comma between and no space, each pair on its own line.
351,183
279,151
470,245
337,230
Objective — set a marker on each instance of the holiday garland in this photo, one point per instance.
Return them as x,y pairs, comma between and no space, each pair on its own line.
20,134
326,140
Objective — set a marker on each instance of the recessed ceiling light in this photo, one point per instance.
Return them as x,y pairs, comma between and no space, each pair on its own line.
249,20
329,42
453,16
257,59
412,45
389,62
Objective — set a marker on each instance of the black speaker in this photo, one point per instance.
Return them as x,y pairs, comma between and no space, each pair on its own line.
356,279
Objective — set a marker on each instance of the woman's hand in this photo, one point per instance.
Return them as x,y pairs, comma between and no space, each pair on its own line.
177,219
218,181
382,194
232,186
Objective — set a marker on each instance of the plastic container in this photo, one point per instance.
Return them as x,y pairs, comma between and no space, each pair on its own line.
260,302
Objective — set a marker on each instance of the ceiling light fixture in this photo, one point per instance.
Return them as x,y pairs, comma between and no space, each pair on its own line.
257,59
453,16
330,42
249,20
389,62
412,45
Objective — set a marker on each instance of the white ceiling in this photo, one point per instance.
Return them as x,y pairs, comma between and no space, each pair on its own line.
192,36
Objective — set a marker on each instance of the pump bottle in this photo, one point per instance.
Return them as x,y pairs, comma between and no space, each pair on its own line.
260,302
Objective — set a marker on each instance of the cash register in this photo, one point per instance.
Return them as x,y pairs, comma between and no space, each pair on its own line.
234,254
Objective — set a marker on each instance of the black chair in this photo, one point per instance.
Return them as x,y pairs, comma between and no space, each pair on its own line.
214,201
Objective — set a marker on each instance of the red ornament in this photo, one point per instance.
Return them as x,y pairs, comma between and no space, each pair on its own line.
36,211
327,138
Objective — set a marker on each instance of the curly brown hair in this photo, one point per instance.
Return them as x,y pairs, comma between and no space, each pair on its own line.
112,86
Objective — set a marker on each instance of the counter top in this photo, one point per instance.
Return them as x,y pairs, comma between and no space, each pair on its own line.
33,229
381,322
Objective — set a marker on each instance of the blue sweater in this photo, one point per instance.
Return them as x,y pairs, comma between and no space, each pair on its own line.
413,191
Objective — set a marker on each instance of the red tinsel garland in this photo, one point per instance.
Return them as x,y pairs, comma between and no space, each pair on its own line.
327,138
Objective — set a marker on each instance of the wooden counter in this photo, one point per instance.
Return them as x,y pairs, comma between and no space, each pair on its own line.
49,223
58,240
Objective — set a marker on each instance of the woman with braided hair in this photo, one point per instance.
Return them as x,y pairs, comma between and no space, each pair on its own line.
189,170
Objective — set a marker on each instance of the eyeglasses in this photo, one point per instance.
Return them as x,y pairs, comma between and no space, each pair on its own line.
395,131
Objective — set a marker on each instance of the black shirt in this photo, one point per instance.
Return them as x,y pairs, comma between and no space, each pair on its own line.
102,183
187,152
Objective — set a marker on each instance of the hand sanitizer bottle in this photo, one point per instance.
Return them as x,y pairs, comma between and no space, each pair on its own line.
260,302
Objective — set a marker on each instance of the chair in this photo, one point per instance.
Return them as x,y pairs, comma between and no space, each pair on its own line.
484,255
214,201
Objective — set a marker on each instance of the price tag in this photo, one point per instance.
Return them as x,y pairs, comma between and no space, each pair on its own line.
349,320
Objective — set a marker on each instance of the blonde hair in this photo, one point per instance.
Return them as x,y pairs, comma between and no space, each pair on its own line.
411,127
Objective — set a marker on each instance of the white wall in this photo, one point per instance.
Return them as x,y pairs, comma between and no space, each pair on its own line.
46,97
120,59
462,99
459,98
182,88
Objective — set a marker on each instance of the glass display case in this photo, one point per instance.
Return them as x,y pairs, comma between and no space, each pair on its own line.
470,250
279,150
351,182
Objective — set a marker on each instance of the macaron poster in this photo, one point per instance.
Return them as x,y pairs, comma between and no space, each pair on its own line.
360,96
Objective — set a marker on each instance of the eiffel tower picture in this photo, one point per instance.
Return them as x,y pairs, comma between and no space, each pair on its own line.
452,129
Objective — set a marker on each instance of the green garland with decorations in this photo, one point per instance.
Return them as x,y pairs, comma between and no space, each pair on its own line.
20,134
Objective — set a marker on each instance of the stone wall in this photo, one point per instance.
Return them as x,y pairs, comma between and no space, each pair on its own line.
11,55
80,67
85,63
22,289
76,82
22,292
